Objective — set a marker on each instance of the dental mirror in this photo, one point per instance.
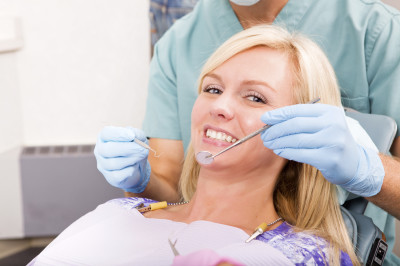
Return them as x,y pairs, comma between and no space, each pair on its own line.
206,157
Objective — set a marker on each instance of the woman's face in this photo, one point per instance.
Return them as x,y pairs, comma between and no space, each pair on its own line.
233,97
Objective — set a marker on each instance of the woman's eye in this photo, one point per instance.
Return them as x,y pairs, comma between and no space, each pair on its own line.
213,90
256,98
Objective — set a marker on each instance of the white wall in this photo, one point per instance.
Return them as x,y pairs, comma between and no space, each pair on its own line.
10,102
84,65
11,135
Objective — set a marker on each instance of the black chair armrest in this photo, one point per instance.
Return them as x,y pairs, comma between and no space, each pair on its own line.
368,240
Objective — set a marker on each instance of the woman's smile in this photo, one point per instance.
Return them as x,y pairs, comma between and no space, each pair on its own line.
218,137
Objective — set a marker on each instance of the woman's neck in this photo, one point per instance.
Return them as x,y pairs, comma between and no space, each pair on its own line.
264,12
243,200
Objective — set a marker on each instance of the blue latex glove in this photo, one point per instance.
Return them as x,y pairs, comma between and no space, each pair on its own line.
123,162
317,134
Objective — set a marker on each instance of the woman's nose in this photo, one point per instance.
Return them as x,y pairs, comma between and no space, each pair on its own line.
223,108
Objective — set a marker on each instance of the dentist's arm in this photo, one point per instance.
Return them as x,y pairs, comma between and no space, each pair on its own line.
389,196
395,149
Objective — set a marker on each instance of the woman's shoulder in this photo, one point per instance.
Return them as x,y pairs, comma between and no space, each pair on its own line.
131,203
298,246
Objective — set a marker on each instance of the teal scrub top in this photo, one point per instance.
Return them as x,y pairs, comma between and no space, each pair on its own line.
360,37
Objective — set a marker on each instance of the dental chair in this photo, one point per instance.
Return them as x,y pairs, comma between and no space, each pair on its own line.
368,239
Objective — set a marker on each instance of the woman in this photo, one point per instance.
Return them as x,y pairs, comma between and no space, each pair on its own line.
255,71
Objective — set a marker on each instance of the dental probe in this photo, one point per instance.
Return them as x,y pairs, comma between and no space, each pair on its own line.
144,145
205,157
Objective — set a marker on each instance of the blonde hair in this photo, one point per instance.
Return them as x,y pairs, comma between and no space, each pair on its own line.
303,197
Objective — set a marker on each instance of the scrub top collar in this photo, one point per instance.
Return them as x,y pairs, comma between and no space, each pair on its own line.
223,14
291,14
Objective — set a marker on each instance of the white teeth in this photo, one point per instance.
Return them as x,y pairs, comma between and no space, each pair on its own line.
219,135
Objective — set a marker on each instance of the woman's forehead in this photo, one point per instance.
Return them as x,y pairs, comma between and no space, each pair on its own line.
257,64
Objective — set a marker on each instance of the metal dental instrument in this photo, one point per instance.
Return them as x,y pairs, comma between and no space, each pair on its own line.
205,157
176,253
144,145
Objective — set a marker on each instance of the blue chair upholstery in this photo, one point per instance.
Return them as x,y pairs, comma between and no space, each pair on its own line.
381,129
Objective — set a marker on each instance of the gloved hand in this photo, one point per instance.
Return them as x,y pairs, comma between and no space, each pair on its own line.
317,134
123,162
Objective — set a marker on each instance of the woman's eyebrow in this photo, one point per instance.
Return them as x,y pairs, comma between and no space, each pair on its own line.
259,82
213,75
246,82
